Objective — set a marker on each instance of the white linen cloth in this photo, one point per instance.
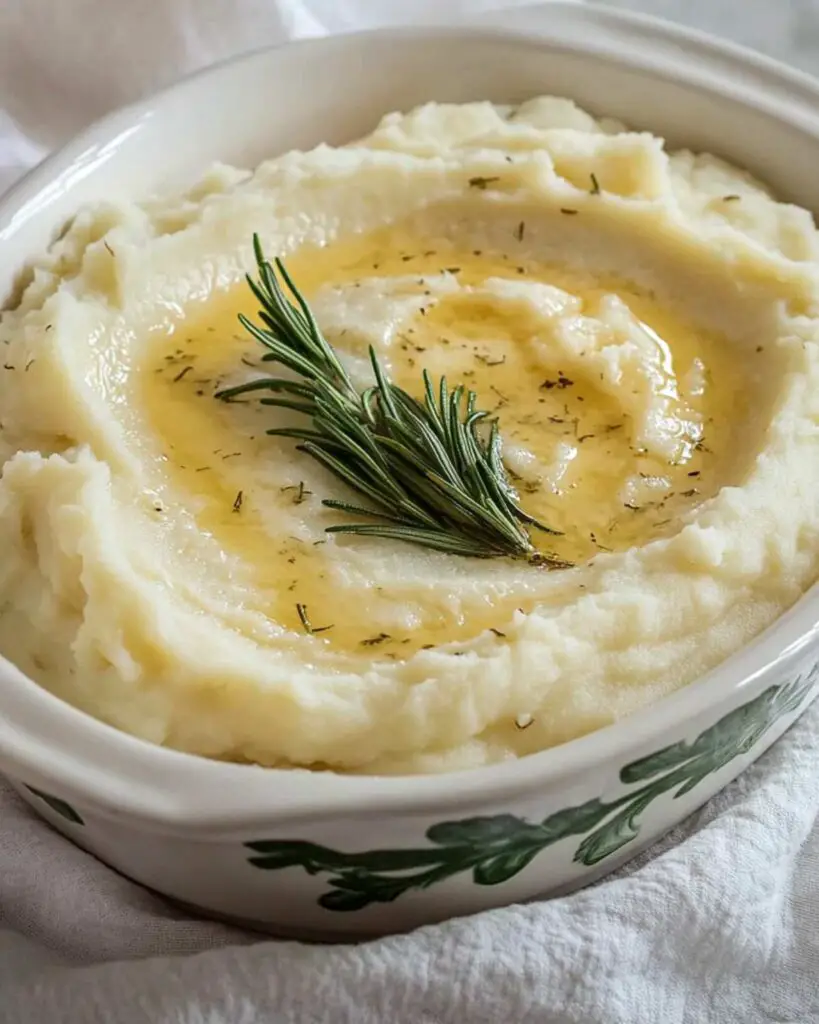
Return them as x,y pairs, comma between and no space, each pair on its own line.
717,924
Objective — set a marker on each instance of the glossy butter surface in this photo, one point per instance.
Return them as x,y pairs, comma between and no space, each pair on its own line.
570,444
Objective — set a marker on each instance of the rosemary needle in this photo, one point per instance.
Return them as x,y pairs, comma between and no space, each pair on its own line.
429,471
301,611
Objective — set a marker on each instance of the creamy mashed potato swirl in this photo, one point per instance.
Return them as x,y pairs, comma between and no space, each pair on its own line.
644,327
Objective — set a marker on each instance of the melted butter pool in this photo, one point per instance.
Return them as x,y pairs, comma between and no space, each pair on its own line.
571,438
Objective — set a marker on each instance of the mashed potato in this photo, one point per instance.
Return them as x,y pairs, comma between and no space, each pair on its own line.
643,324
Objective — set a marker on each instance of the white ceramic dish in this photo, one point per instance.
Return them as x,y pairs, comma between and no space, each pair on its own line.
351,856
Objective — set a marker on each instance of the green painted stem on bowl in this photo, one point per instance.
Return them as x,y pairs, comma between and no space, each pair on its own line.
494,849
65,810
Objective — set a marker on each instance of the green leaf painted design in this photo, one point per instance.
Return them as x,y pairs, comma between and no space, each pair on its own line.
616,831
502,868
65,810
478,830
496,848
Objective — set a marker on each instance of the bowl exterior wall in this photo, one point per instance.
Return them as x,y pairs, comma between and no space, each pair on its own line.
353,877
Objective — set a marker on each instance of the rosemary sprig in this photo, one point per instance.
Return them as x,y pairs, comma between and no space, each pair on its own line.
430,470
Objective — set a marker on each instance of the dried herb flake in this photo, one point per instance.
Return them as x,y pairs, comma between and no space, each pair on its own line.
373,641
479,181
